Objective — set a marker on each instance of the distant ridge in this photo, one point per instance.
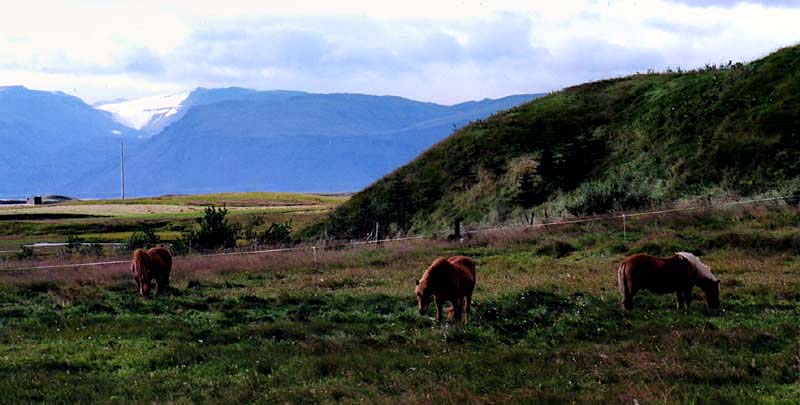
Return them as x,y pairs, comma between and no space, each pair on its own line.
211,140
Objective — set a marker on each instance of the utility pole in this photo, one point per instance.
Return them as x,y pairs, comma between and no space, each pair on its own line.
122,167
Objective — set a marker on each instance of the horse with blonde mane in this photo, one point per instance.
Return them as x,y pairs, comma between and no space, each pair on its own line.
148,265
678,274
451,280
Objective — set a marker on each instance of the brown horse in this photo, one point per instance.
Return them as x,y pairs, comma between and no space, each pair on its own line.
678,274
451,280
154,264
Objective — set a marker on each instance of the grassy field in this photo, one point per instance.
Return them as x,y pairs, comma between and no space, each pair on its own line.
115,220
245,199
546,327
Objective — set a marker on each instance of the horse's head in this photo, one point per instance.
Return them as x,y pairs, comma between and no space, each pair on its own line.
711,290
140,272
706,280
423,290
423,296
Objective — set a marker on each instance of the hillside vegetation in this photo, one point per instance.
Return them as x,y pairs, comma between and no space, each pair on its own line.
626,143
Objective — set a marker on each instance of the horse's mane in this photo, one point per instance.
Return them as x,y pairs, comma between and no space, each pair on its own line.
435,265
701,267
141,262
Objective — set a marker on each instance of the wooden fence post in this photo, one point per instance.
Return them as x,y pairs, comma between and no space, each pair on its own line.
624,229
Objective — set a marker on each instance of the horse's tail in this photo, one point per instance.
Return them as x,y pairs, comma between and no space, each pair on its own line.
621,279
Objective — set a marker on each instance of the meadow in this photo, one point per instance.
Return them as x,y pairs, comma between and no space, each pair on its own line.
107,221
546,324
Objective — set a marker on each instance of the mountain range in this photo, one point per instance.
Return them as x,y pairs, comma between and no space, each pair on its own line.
210,140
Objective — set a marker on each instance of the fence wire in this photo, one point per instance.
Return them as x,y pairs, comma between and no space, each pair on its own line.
341,244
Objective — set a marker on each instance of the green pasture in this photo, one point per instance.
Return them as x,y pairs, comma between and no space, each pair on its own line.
546,326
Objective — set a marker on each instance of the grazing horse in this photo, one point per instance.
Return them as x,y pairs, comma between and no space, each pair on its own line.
148,265
678,274
451,280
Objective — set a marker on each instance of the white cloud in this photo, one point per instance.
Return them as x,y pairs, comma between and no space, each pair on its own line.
445,51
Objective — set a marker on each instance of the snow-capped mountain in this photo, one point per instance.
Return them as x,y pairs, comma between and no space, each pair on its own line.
149,115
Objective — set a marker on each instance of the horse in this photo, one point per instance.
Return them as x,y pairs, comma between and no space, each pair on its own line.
148,265
451,280
678,274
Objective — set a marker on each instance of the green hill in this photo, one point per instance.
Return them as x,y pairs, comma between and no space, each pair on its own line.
626,143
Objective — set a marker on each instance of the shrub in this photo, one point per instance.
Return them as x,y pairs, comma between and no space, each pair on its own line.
24,253
143,239
215,232
74,244
556,249
278,233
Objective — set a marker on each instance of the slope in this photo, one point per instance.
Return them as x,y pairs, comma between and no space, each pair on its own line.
614,144
48,135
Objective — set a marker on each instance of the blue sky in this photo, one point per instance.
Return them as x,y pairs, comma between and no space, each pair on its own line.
445,51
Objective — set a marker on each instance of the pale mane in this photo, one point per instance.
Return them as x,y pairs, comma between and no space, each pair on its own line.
701,267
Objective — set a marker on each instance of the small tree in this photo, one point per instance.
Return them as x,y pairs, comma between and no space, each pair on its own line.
74,243
253,221
215,231
24,253
278,233
143,239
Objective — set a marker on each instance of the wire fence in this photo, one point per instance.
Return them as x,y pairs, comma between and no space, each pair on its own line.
329,244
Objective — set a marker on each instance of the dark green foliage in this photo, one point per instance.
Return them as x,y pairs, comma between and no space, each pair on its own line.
25,253
215,231
252,222
73,244
556,248
277,233
618,144
143,239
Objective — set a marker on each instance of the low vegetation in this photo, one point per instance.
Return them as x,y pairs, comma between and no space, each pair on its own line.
168,219
546,326
629,143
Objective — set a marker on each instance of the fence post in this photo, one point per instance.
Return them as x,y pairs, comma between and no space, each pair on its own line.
708,204
377,233
457,229
624,229
314,249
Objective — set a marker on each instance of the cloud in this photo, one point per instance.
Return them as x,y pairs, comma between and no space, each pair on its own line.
447,51
143,60
734,3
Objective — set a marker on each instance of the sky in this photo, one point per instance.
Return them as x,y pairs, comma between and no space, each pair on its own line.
444,51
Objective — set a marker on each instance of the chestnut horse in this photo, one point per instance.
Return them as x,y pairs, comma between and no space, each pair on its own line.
146,266
451,280
678,274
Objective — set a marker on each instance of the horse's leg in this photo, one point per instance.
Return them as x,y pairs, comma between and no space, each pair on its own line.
679,298
458,310
166,282
138,286
163,284
439,304
468,308
627,301
687,297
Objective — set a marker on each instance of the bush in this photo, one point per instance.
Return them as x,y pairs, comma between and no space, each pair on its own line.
25,253
556,249
143,240
74,244
278,233
215,231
